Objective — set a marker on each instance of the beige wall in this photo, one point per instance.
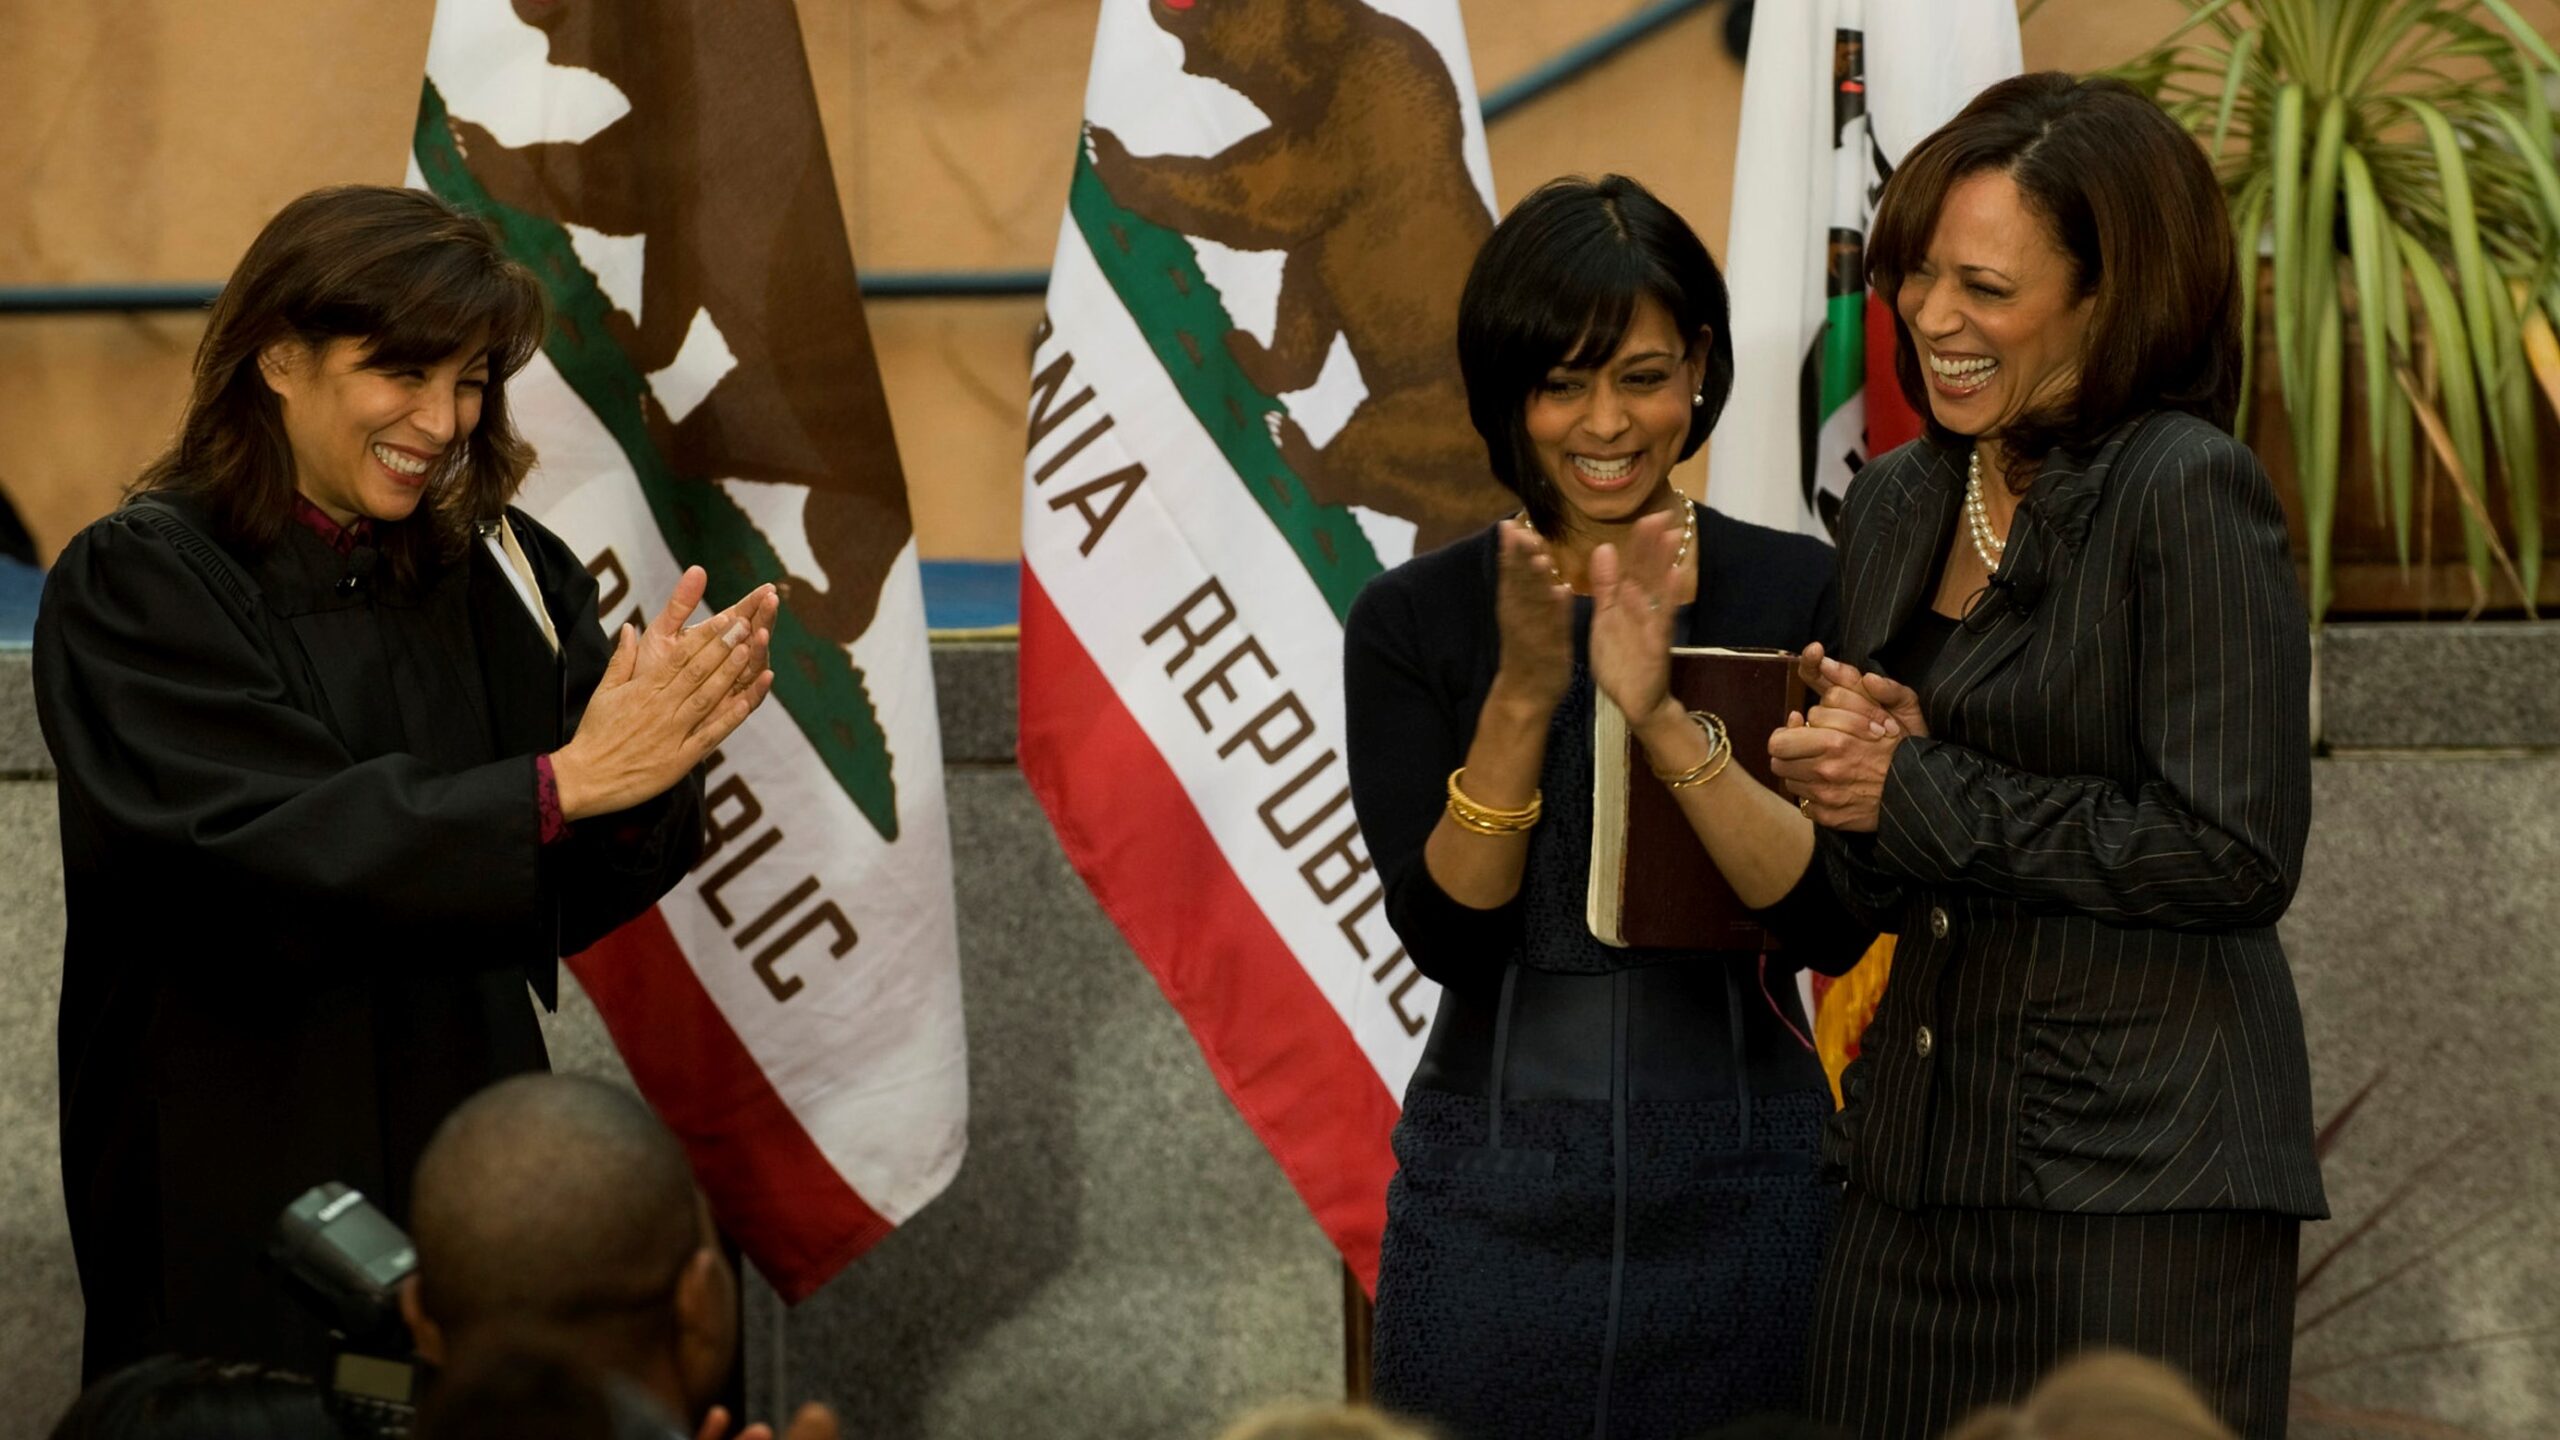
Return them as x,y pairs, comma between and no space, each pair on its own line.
150,139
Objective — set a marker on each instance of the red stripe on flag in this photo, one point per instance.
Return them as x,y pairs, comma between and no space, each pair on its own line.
1890,419
770,1185
1277,1047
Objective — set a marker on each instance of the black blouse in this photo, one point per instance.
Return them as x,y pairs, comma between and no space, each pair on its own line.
1419,655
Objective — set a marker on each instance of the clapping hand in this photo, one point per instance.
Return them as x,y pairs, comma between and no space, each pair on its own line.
669,696
1835,757
662,638
812,1421
1632,611
1534,611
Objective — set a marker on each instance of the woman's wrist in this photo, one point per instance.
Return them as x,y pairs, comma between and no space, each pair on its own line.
1515,702
569,783
1671,740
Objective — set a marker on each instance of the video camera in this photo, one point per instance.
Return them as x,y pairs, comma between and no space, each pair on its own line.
350,1260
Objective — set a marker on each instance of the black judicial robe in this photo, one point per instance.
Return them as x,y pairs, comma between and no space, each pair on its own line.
305,891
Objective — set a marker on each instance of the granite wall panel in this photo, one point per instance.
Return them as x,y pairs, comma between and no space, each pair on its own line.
39,1289
2422,944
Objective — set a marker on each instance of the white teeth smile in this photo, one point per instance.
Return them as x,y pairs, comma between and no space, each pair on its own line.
1604,469
1963,374
398,463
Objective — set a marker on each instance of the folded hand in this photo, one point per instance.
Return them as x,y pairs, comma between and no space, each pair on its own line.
1835,757
1881,706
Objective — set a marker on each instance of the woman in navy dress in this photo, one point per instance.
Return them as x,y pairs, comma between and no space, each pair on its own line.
1605,1220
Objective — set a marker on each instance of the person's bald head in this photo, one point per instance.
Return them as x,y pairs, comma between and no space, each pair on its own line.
560,1206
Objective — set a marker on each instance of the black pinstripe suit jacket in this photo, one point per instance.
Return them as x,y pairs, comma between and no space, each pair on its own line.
2089,1010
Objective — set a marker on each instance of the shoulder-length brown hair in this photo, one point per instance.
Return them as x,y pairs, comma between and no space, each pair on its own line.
414,281
2131,199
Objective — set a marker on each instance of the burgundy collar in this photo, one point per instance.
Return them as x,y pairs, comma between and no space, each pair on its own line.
341,538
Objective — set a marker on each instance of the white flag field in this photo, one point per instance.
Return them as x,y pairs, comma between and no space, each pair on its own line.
1835,94
708,396
1243,407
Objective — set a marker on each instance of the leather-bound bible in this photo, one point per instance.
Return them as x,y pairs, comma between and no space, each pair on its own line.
1651,881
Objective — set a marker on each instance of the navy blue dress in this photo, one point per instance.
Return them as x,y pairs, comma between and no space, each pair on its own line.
1605,1220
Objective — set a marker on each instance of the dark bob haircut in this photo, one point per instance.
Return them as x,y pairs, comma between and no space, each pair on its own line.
2132,200
414,281
1556,284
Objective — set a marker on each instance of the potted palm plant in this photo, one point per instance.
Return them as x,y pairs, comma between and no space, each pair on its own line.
2391,163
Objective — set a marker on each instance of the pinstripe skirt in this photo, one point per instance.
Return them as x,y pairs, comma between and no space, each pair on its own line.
1924,1316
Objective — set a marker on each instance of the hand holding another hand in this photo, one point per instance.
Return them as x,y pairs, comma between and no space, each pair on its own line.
1835,757
1885,706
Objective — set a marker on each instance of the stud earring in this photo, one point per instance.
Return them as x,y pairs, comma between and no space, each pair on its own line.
1698,399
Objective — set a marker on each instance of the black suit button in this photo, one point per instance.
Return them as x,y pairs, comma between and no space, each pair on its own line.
1923,1042
1938,922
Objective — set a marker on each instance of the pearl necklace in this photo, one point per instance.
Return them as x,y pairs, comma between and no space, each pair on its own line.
1977,516
1680,557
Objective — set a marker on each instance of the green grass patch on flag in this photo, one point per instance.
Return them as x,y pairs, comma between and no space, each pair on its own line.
816,681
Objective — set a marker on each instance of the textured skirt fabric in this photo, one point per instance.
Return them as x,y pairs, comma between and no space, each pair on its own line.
1496,1276
1925,1316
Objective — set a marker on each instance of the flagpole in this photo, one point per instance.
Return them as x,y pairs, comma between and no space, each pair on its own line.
1359,1326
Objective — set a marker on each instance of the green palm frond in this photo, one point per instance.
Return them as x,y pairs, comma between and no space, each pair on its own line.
2396,160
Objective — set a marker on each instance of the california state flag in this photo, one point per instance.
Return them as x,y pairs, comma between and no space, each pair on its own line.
1244,404
707,396
1836,93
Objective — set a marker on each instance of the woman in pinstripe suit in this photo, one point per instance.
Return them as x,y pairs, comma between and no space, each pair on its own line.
2083,1113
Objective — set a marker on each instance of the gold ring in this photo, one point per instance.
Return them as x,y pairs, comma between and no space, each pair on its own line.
1804,807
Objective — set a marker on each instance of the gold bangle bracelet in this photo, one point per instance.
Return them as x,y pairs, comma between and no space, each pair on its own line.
1486,820
1713,769
1719,753
1478,827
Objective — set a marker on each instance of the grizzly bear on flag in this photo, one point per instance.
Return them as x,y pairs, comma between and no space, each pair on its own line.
743,246
1361,179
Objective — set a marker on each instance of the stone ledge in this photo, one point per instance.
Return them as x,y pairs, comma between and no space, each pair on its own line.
973,690
2421,686
22,751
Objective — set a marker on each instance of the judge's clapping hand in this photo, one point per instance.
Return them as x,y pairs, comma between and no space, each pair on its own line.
661,640
1835,757
669,696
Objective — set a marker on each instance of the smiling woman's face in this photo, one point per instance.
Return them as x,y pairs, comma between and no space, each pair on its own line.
1608,437
1994,308
366,439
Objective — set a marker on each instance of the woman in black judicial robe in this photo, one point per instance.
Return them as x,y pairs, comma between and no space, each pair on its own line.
1605,1219
330,796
